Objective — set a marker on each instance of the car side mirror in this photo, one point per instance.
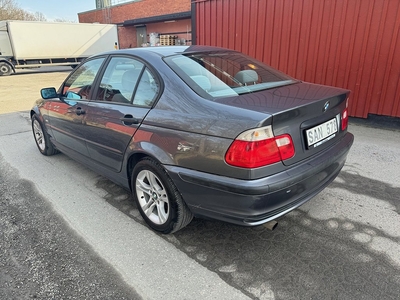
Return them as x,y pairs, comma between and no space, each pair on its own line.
48,93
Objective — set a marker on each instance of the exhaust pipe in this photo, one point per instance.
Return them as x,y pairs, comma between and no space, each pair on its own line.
271,225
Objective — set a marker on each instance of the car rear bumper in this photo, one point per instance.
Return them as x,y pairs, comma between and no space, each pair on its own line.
254,202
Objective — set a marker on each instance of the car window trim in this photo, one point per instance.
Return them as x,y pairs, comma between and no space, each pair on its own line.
94,87
147,65
100,74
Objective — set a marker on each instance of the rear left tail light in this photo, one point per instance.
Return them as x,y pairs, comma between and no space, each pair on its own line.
259,147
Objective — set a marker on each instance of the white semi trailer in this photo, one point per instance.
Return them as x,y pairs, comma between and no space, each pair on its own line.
25,44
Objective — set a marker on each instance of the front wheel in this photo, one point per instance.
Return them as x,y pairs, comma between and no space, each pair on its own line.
42,138
158,200
5,69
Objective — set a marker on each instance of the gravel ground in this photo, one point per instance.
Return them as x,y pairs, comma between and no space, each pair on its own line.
19,91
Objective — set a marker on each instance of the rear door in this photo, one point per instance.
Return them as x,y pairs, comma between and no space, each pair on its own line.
126,93
66,115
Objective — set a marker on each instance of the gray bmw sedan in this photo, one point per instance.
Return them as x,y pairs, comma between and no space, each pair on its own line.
197,131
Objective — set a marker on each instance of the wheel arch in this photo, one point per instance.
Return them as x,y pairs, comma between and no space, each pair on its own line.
35,111
147,150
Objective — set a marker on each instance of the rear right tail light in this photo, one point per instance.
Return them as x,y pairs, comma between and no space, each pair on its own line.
285,146
345,116
345,119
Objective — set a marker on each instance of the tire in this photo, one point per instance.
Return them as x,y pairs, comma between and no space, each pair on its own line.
5,69
42,138
158,200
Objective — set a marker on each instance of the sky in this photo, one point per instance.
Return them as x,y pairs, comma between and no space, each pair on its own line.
57,9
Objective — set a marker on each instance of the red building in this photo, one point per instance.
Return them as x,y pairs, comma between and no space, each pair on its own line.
137,20
354,44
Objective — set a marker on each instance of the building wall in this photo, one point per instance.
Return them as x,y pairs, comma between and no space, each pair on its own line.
134,10
353,44
180,28
127,37
142,9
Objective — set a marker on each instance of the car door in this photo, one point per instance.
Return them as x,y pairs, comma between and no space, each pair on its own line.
66,115
126,92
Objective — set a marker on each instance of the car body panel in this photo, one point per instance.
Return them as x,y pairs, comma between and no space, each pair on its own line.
253,202
65,119
293,105
107,135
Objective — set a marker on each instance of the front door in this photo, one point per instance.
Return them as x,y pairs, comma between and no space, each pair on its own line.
67,114
125,95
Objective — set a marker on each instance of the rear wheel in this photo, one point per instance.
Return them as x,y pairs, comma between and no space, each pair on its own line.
5,68
159,201
42,138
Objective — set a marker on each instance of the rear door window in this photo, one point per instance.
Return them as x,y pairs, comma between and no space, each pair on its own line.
129,81
147,89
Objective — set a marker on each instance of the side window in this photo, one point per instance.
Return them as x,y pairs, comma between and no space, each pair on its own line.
119,80
79,85
147,89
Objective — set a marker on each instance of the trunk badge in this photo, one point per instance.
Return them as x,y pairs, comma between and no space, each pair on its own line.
326,106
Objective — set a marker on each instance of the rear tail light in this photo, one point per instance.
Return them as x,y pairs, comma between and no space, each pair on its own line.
259,147
345,116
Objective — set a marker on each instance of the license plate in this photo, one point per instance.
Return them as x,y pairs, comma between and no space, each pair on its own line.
322,133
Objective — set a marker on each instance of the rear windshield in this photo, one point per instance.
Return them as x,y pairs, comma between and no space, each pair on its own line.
225,74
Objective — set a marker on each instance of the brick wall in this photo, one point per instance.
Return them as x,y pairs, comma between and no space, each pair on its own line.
181,28
127,37
135,10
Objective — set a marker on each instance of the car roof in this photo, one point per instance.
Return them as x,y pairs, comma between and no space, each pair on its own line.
169,50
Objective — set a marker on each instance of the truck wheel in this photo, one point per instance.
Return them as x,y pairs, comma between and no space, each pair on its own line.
5,69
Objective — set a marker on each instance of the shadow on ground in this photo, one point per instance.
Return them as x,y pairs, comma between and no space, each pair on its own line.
303,258
357,184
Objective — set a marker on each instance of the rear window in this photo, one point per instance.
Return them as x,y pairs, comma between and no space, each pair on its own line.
225,74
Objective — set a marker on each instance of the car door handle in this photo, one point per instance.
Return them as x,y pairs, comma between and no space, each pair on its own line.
129,120
79,111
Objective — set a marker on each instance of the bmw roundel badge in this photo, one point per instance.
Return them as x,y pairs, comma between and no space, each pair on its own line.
326,106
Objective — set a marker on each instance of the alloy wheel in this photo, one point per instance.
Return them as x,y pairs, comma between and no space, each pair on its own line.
152,197
39,136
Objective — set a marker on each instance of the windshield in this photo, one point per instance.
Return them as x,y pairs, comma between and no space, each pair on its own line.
225,74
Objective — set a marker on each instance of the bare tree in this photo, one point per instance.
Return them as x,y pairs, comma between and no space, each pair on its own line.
9,10
40,17
62,20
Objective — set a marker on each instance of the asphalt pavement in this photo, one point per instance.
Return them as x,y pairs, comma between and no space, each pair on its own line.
41,257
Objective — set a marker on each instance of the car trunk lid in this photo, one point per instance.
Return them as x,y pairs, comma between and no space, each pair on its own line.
309,113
